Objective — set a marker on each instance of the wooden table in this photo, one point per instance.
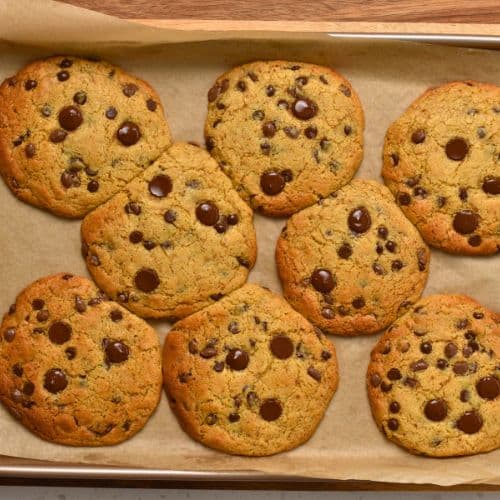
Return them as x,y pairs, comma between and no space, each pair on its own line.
422,11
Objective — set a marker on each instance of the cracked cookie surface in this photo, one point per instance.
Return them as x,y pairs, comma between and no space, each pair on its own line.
174,240
74,131
433,379
76,368
249,375
441,160
286,133
352,263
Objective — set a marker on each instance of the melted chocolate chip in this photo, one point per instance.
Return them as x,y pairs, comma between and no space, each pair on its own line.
270,409
470,422
281,346
488,387
237,359
55,381
160,186
465,222
418,136
272,183
207,213
304,109
70,118
491,185
128,133
111,113
322,280
146,280
59,332
359,220
116,351
436,410
456,149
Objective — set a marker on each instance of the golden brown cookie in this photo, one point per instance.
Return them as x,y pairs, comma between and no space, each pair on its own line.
75,131
76,368
176,239
434,378
442,163
352,263
249,375
286,133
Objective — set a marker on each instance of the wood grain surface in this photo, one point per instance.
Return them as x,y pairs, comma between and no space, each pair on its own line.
436,11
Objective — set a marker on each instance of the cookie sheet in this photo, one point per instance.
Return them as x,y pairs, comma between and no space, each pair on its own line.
387,76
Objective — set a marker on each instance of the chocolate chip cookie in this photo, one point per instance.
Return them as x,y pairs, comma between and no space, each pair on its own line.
176,239
76,368
286,133
442,163
249,375
352,263
434,378
75,131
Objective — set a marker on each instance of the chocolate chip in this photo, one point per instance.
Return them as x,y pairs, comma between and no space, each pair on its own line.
344,251
116,315
304,109
311,132
146,280
9,334
324,144
243,262
233,327
419,365
272,183
241,86
359,220
403,198
396,265
111,113
129,89
465,222
347,129
394,407
394,374
375,379
322,280
258,115
93,186
207,213
385,348
292,132
233,219
426,347
421,259
436,410
456,149
17,370
70,353
57,135
269,129
270,409
237,359
30,150
393,424
470,422
208,352
160,186
42,315
411,382
116,351
55,380
37,304
70,178
59,332
474,240
461,367
450,350
28,388
358,303
128,133
281,346
488,387
211,419
94,260
253,76
314,373
385,386
394,159
30,84
149,245
66,63
151,105
80,98
46,110
420,191
491,185
391,246
135,237
418,136
70,118
265,147
133,208
327,313
122,297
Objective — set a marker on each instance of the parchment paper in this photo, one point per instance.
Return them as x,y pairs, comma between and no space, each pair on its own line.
387,76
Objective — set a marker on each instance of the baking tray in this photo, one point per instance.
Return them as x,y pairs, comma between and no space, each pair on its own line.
16,468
